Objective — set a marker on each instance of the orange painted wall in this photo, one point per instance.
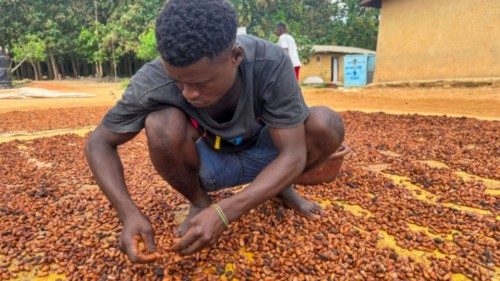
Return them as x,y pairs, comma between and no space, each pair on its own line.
323,68
438,39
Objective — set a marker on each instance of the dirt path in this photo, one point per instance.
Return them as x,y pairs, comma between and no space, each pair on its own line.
106,95
482,102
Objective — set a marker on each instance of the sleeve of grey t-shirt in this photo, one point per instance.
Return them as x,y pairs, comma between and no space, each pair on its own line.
283,104
129,114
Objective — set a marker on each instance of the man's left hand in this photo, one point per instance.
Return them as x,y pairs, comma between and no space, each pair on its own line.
203,231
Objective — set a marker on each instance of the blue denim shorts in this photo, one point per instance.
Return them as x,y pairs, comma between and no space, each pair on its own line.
220,170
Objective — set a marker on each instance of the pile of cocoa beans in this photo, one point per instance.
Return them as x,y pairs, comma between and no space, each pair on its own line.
55,220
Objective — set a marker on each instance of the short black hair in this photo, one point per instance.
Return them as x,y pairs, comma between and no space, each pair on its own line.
281,24
188,30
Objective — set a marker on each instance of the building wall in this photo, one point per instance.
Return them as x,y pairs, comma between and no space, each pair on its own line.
438,39
323,68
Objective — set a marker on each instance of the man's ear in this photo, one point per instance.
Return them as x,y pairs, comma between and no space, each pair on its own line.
238,54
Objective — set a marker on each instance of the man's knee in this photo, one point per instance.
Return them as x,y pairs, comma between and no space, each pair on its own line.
326,125
168,126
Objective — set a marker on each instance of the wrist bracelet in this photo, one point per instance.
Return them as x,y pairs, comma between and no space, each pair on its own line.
221,214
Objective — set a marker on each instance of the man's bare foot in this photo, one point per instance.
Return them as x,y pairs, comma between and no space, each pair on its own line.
292,199
183,227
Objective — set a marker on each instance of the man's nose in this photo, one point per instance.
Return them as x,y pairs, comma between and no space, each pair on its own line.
190,93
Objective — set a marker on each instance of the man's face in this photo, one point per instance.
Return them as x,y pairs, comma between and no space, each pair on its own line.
206,81
279,30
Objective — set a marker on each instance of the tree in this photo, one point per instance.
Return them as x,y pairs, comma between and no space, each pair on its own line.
307,20
355,25
111,45
13,21
147,45
32,49
52,36
126,24
311,22
89,47
117,35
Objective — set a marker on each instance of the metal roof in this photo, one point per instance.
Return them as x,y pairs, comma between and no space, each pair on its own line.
371,3
340,49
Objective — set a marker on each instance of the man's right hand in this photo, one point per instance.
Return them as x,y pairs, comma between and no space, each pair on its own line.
137,228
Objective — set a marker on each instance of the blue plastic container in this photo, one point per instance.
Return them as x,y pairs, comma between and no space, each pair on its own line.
358,70
5,78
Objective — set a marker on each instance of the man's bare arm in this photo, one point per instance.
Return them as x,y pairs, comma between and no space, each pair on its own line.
105,163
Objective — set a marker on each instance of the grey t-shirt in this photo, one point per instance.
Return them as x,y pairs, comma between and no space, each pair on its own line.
271,97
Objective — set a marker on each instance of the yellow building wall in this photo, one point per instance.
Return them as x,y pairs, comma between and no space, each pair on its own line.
438,39
323,68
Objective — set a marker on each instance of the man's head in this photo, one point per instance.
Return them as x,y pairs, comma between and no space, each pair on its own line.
196,41
188,30
280,29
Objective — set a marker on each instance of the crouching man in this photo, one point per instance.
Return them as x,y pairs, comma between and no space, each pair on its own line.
219,110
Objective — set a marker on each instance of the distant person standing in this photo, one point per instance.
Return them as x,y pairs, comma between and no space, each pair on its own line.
287,42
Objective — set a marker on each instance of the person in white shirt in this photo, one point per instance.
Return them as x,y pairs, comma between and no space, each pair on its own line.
287,42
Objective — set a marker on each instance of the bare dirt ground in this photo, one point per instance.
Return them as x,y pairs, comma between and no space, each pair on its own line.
106,95
481,103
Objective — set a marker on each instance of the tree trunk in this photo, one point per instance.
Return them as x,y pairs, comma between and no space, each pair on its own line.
98,70
96,11
129,63
114,59
40,72
20,75
50,70
22,71
35,70
63,70
29,71
75,67
54,67
85,69
26,71
101,73
17,73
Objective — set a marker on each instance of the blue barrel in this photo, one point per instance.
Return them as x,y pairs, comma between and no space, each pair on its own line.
5,78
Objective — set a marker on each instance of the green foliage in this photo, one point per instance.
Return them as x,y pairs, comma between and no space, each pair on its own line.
355,25
12,22
29,47
124,84
111,41
129,21
261,17
311,22
89,44
115,33
147,45
305,48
